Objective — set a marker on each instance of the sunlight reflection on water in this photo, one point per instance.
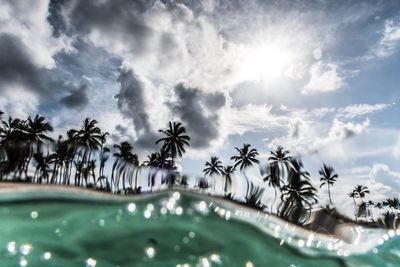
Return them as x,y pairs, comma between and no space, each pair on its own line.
191,230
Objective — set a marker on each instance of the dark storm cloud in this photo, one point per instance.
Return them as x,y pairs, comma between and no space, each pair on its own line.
199,113
16,67
214,101
77,98
130,100
131,103
122,19
55,17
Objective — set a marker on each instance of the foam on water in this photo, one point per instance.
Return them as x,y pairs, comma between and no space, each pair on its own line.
57,228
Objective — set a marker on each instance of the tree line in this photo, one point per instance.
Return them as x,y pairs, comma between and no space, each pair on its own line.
80,158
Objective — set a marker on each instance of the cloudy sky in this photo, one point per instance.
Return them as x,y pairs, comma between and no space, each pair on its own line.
319,77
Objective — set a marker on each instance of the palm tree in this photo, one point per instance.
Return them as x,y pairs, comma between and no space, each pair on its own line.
162,160
175,140
12,131
354,195
157,162
328,178
298,195
151,160
138,166
274,183
370,205
13,142
379,205
36,130
202,183
213,167
103,156
227,172
89,137
104,153
70,147
390,220
123,155
277,159
392,203
42,167
246,158
254,196
361,191
281,155
57,158
152,164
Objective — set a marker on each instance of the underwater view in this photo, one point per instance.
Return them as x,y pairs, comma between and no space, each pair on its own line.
59,227
182,133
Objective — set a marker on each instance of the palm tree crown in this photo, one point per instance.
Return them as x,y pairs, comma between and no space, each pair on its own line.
36,129
328,178
175,139
89,135
246,158
214,166
360,191
125,152
280,154
12,131
298,194
299,187
227,172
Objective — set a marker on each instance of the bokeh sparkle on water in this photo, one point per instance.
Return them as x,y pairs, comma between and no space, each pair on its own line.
170,229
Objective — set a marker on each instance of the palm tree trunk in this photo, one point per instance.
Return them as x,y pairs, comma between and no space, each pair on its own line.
226,184
276,194
53,174
112,173
329,194
136,176
247,184
169,177
355,208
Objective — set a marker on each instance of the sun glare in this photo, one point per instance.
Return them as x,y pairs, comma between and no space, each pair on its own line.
265,62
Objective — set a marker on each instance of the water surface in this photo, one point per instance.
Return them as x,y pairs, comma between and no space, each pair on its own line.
172,228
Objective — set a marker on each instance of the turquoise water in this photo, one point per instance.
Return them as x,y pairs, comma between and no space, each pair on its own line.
77,228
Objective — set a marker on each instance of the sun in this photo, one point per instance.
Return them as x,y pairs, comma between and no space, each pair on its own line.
265,62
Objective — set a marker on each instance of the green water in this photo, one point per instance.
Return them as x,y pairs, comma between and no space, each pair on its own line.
168,229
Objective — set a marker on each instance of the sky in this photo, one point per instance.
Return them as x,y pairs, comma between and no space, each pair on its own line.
319,77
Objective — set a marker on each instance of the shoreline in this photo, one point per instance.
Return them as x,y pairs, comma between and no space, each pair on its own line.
329,223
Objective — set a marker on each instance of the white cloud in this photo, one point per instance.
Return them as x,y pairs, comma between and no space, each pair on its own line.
28,20
179,47
360,170
324,77
341,130
382,173
356,110
305,136
18,102
251,118
390,39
